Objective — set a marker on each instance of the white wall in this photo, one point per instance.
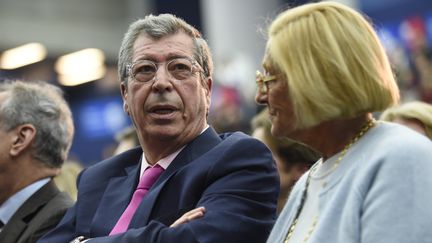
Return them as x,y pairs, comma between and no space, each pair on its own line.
232,28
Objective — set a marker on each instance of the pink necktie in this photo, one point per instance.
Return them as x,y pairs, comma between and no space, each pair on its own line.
149,177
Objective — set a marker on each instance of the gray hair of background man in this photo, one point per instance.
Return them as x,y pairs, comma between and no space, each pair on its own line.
158,27
42,105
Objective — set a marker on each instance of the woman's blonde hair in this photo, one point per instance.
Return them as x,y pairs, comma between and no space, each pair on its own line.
66,180
417,110
333,61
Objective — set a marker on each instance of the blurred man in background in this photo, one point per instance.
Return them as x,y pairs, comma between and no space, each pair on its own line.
126,139
36,131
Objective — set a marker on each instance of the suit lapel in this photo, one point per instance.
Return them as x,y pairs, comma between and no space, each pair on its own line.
14,229
115,199
200,145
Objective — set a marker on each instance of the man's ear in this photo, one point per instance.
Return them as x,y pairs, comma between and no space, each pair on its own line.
24,136
208,87
124,94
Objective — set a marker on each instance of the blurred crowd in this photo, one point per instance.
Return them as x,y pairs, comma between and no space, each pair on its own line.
411,57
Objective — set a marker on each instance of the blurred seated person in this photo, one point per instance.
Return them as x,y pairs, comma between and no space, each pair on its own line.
66,180
126,139
416,115
293,159
36,133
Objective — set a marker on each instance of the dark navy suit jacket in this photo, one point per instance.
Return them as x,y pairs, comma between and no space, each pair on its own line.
232,175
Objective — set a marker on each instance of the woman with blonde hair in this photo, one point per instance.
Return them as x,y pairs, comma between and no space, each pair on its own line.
66,180
325,73
416,115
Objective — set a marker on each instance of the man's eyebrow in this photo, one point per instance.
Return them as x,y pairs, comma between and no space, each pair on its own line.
156,60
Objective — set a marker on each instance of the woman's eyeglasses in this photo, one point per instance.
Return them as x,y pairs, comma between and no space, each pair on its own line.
263,81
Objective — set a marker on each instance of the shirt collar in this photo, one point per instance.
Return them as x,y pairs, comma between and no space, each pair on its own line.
166,161
12,204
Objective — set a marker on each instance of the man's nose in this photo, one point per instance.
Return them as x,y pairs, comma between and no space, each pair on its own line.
163,80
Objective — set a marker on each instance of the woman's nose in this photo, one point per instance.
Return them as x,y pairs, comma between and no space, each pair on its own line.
261,97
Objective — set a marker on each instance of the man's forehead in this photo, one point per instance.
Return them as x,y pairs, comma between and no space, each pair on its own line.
174,45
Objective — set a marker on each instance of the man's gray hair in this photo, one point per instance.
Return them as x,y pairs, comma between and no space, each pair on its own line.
158,27
42,105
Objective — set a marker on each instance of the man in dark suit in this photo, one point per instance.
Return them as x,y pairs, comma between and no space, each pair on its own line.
165,68
36,133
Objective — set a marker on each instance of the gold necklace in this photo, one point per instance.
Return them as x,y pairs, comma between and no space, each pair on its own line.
369,124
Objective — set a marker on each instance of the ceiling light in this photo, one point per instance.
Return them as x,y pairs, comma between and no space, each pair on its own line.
22,56
81,66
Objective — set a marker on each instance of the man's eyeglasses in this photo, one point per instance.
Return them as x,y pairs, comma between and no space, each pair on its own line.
263,80
177,68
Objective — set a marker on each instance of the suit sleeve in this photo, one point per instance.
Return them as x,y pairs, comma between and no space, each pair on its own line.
65,229
50,222
240,201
